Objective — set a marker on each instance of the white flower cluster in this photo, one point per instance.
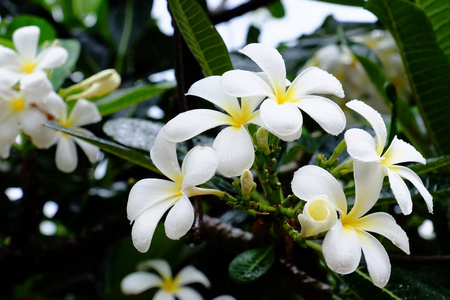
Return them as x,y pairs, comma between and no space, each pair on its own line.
269,101
27,100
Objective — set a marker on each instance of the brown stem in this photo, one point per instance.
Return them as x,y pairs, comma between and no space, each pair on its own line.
227,15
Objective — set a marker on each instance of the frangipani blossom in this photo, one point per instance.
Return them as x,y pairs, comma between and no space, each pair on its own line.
19,111
318,216
344,242
150,198
363,147
169,287
233,144
279,112
15,65
83,113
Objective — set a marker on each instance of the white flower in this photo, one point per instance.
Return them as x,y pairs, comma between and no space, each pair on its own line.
150,198
344,241
83,113
363,147
169,287
233,144
318,216
279,113
19,110
16,65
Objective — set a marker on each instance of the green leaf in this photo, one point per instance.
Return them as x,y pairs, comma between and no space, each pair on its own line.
431,165
426,65
251,265
47,31
6,43
277,9
59,75
201,37
127,97
130,155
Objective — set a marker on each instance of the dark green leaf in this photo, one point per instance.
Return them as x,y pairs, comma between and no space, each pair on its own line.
277,9
130,155
426,65
127,97
47,31
201,37
431,165
251,265
60,74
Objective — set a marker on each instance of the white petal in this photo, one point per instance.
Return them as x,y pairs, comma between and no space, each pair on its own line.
9,129
384,224
400,151
316,81
52,57
376,258
281,120
325,112
417,182
318,215
193,122
31,121
8,57
9,76
312,182
35,87
190,274
160,265
164,156
235,150
249,104
401,192
84,112
179,219
368,184
361,145
187,293
375,120
147,193
210,89
90,150
163,295
26,41
66,154
145,224
271,63
199,165
240,83
45,138
54,105
138,282
342,249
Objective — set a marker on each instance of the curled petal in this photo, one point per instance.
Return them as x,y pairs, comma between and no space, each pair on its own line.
376,258
90,150
160,265
84,112
179,219
210,89
361,145
187,293
66,154
312,182
384,224
190,274
375,120
138,282
240,83
281,120
271,63
199,166
145,224
193,122
325,112
342,249
318,216
52,57
316,81
417,182
401,192
26,40
164,156
235,151
400,151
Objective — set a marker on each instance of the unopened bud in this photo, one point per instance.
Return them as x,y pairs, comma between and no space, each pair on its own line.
247,183
97,85
262,140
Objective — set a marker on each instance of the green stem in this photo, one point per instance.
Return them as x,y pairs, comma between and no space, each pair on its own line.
341,147
344,168
313,245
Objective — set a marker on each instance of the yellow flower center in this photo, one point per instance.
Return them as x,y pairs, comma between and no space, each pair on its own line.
318,211
18,105
283,96
28,66
170,285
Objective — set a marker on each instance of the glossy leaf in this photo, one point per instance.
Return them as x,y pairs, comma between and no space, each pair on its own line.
47,31
201,37
251,265
426,65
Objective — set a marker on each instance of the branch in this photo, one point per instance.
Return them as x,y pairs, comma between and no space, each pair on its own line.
227,15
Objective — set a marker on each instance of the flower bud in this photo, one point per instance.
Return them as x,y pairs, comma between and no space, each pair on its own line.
247,183
97,85
318,216
262,140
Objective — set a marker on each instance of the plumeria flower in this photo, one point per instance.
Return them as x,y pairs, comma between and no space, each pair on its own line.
18,64
233,144
318,216
83,113
363,147
169,287
20,110
150,198
344,241
279,112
